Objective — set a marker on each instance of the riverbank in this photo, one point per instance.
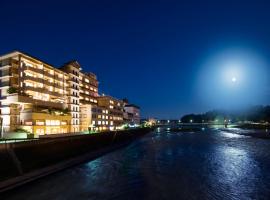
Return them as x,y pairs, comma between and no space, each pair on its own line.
256,133
253,126
27,161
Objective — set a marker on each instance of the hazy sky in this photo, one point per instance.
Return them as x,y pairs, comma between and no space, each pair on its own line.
169,57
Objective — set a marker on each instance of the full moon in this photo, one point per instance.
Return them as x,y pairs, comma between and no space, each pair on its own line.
233,79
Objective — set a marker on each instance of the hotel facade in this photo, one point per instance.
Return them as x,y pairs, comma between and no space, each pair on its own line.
42,99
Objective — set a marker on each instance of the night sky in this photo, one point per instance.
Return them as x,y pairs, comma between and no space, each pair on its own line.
166,56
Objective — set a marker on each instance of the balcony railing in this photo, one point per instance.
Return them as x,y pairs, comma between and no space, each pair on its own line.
5,73
15,98
33,69
4,84
43,90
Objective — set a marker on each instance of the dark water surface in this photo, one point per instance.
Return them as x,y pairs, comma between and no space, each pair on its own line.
211,164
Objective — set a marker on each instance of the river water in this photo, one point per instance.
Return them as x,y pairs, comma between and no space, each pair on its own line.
210,164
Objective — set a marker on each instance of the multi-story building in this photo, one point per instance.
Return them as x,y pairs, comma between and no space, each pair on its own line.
132,114
101,119
108,113
32,95
43,99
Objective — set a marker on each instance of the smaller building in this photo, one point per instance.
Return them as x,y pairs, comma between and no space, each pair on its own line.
113,108
132,114
101,120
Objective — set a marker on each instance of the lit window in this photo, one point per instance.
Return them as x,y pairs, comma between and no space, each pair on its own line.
39,123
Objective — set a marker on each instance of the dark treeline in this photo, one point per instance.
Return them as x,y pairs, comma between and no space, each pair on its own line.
254,114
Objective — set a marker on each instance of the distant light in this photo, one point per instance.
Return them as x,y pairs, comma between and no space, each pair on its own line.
179,121
234,79
168,121
191,121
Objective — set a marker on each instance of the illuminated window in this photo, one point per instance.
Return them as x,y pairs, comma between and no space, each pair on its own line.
40,122
29,123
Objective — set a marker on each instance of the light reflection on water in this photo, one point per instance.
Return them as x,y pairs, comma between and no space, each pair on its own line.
232,135
212,164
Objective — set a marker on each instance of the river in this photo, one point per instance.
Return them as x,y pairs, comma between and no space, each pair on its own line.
209,164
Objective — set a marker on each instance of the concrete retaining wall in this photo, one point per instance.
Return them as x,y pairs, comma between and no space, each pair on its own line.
25,161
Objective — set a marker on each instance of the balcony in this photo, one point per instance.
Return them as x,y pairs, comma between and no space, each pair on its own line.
5,63
48,83
21,99
4,84
59,86
43,90
6,73
44,116
35,79
58,78
36,70
48,74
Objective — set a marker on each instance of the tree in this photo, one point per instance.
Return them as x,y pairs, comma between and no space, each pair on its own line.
12,90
